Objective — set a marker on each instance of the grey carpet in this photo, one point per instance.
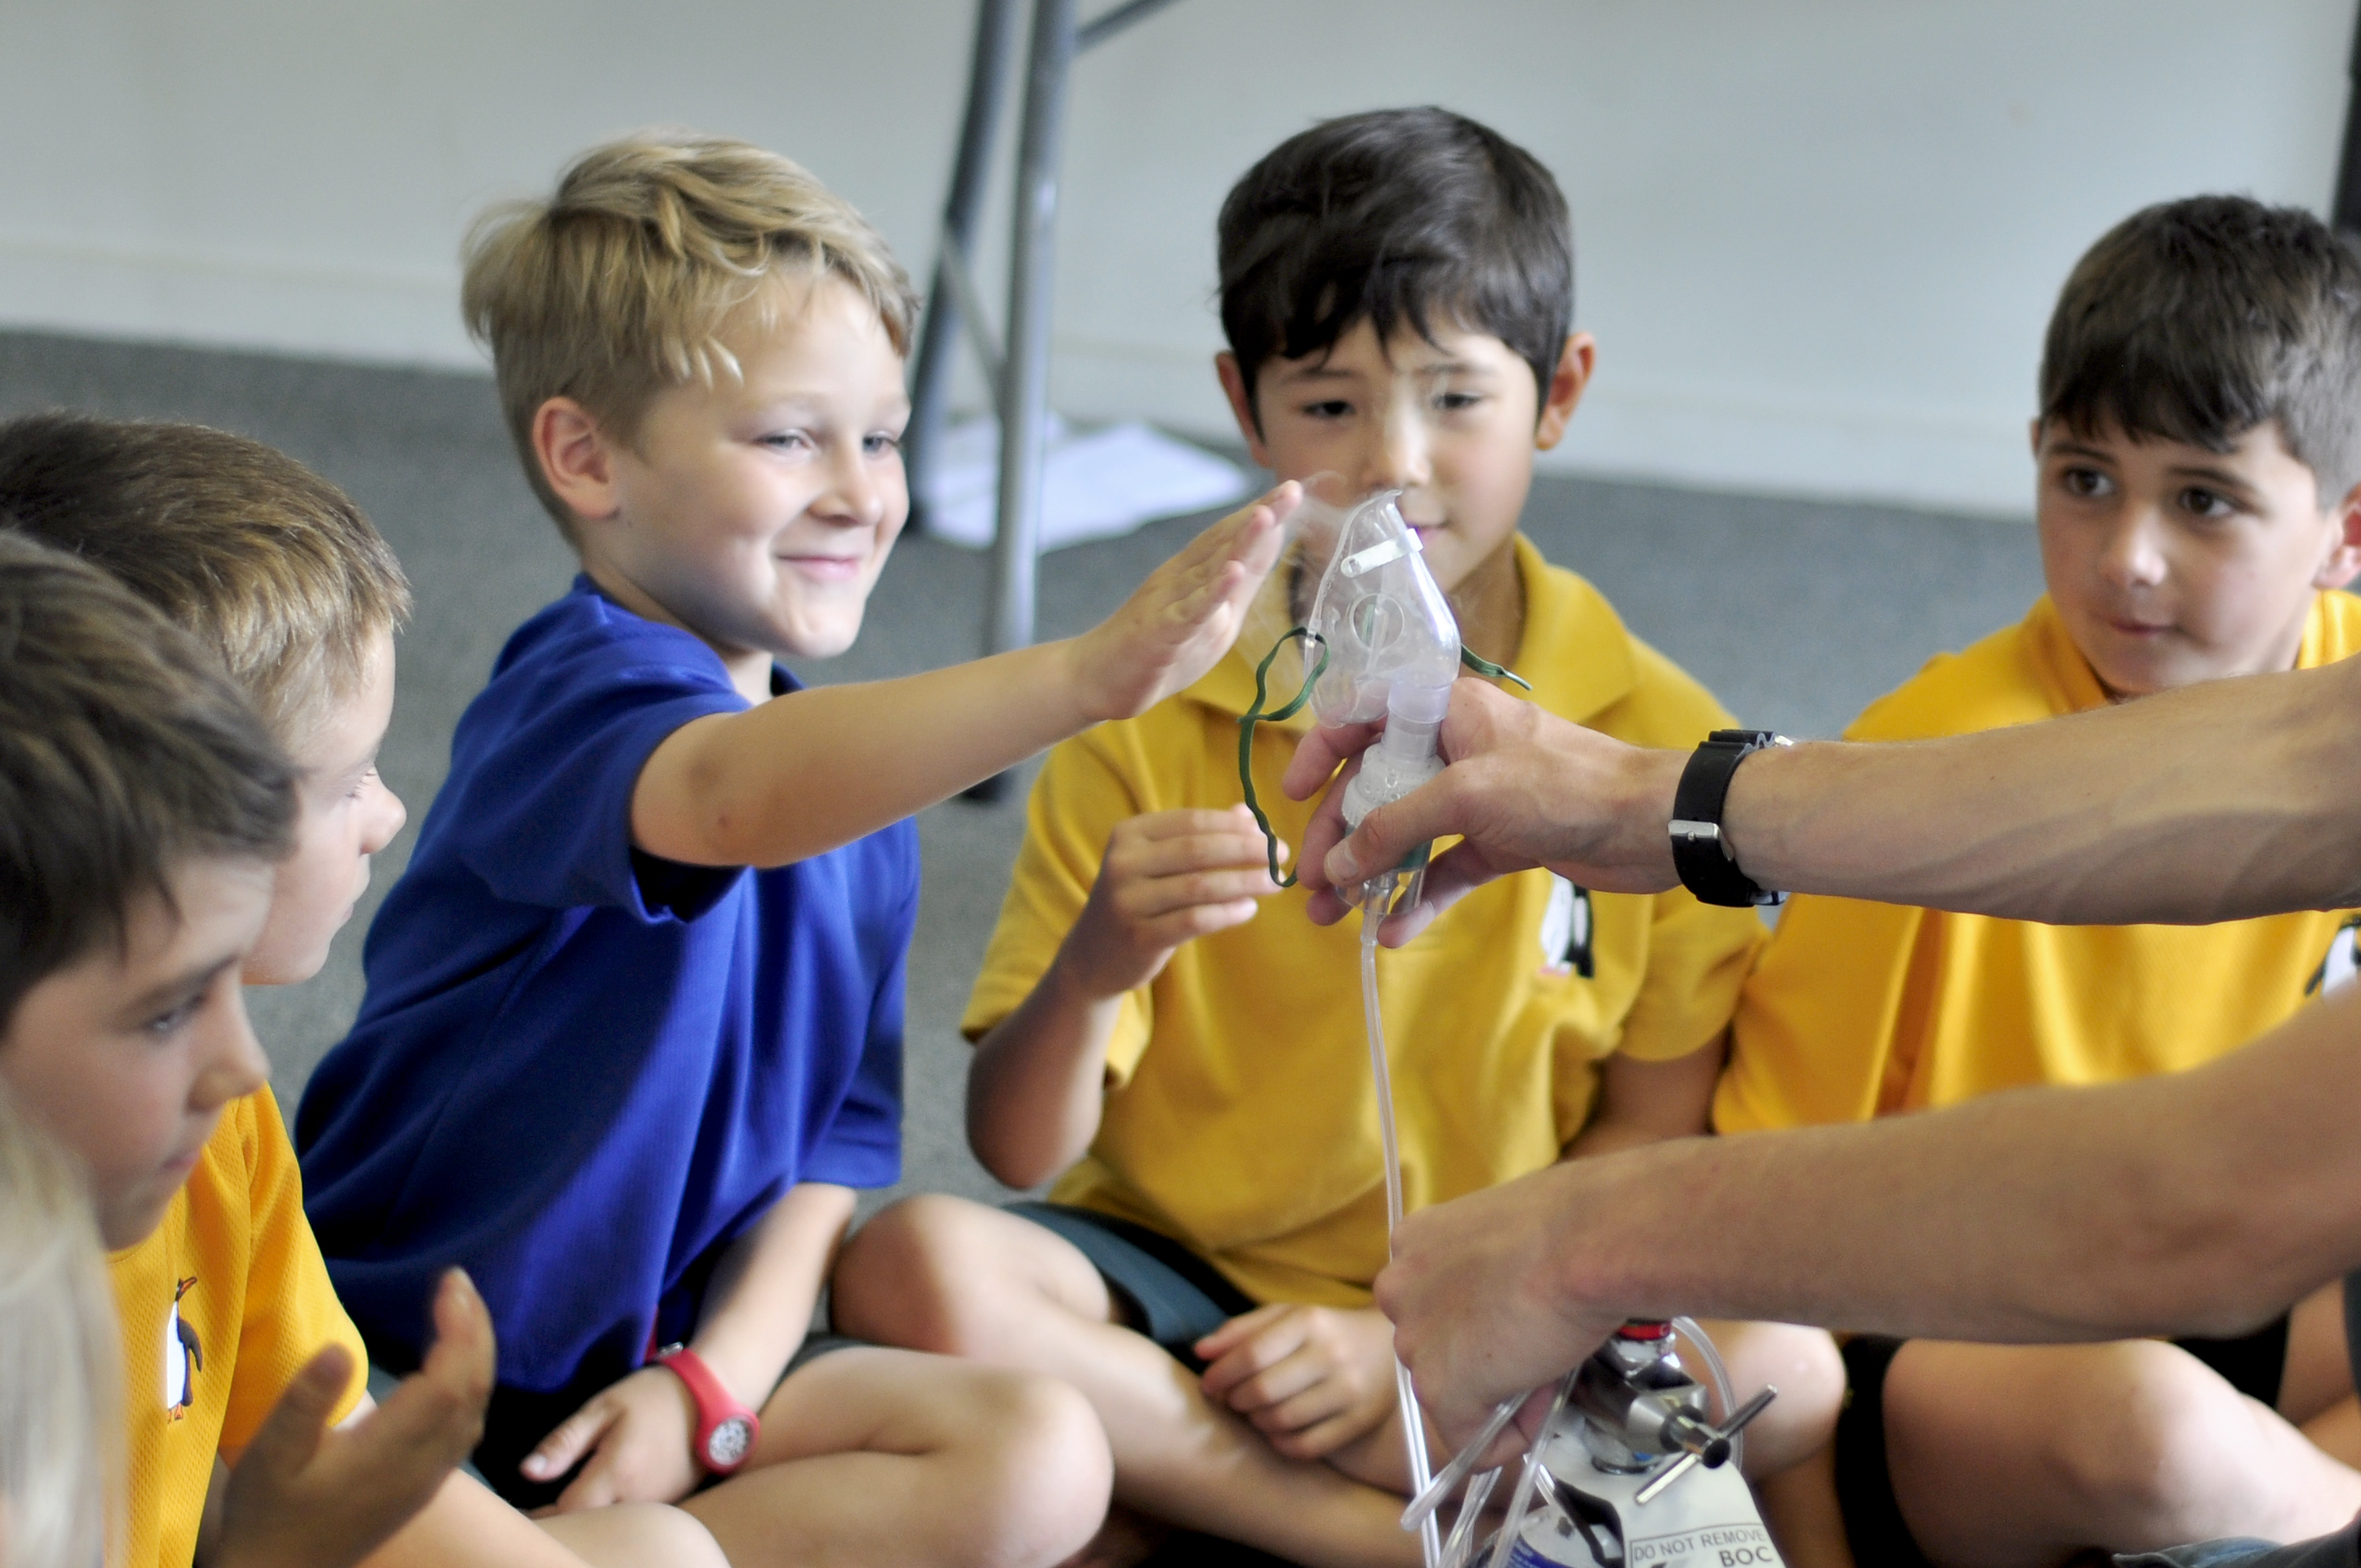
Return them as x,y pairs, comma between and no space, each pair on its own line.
1794,613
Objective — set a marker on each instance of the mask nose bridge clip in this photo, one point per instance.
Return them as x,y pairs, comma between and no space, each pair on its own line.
1385,551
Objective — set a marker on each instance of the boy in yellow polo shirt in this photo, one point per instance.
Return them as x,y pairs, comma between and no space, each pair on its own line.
2199,449
224,1301
1398,297
142,808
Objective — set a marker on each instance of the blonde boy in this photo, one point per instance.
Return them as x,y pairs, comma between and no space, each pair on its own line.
633,1027
1397,290
288,582
2198,492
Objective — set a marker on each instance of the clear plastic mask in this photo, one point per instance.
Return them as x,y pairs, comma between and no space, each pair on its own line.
1383,623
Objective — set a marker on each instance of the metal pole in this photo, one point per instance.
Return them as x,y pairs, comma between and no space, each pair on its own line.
930,369
2346,215
1024,377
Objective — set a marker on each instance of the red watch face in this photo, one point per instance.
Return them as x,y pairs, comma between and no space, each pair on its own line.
727,1444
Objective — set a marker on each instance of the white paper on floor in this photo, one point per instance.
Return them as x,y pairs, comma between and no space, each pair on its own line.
1096,485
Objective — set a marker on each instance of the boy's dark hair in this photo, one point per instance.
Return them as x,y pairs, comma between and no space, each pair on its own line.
267,562
125,752
1399,215
2195,321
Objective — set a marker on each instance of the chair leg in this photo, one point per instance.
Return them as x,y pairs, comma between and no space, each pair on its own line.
930,368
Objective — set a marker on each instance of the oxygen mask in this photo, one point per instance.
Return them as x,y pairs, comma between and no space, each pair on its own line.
1379,642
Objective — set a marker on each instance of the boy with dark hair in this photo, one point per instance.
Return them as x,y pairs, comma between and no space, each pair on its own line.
1398,292
291,587
2199,456
633,1027
143,809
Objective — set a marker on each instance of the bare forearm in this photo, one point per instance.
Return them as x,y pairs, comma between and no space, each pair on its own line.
804,773
2214,801
760,1302
2203,1201
1037,1084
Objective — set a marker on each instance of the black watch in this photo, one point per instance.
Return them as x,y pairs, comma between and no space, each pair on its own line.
1700,854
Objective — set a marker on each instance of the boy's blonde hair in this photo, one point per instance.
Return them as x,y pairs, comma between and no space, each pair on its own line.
271,566
621,285
60,1452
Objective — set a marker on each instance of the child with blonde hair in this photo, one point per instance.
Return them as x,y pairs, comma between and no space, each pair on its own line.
60,1459
632,1035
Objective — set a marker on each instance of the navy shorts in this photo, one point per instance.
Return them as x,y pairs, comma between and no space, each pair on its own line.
1167,1293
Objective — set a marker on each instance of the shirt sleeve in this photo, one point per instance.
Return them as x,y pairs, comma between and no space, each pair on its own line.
1697,957
1822,1020
545,765
1078,800
291,1312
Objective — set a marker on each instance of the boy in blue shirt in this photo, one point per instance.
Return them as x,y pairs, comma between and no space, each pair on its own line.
633,1026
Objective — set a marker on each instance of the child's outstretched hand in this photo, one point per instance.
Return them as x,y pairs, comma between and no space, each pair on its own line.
1168,876
305,1496
1311,1379
1184,616
638,1432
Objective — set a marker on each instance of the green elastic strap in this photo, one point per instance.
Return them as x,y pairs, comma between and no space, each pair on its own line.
1489,670
1254,715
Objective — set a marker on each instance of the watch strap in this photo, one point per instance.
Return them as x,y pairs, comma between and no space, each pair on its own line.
1701,855
726,1430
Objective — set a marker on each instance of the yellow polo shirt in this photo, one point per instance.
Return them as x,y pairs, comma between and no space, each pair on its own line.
1859,1009
221,1305
1240,1115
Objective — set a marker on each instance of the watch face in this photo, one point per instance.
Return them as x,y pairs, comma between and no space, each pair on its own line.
726,1445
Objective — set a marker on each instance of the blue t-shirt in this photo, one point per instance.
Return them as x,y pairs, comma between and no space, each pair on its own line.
582,1072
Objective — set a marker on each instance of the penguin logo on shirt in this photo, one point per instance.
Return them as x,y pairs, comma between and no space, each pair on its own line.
1566,931
2343,962
184,1357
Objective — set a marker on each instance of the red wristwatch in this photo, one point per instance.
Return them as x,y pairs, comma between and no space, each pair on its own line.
726,1430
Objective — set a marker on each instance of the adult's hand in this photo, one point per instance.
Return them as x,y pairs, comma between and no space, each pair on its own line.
1523,788
1475,1291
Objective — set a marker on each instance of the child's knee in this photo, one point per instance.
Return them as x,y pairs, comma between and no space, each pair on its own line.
1803,1363
912,1274
2145,1429
1036,1470
2131,1434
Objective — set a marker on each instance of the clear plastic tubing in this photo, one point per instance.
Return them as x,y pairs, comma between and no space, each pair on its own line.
1689,1330
1373,915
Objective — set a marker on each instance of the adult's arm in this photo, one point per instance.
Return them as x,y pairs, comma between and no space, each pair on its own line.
2202,1201
2214,802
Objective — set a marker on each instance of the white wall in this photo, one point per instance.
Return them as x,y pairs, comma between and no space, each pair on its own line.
1817,239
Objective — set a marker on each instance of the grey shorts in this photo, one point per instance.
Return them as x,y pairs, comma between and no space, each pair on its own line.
1168,1293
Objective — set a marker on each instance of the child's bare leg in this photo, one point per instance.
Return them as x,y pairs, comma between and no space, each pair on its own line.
1800,1507
2316,1390
944,1274
2003,1457
1790,1447
636,1535
874,1457
1803,1365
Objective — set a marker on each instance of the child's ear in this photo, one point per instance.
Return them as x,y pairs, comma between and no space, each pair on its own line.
1575,364
1242,405
574,458
2344,559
